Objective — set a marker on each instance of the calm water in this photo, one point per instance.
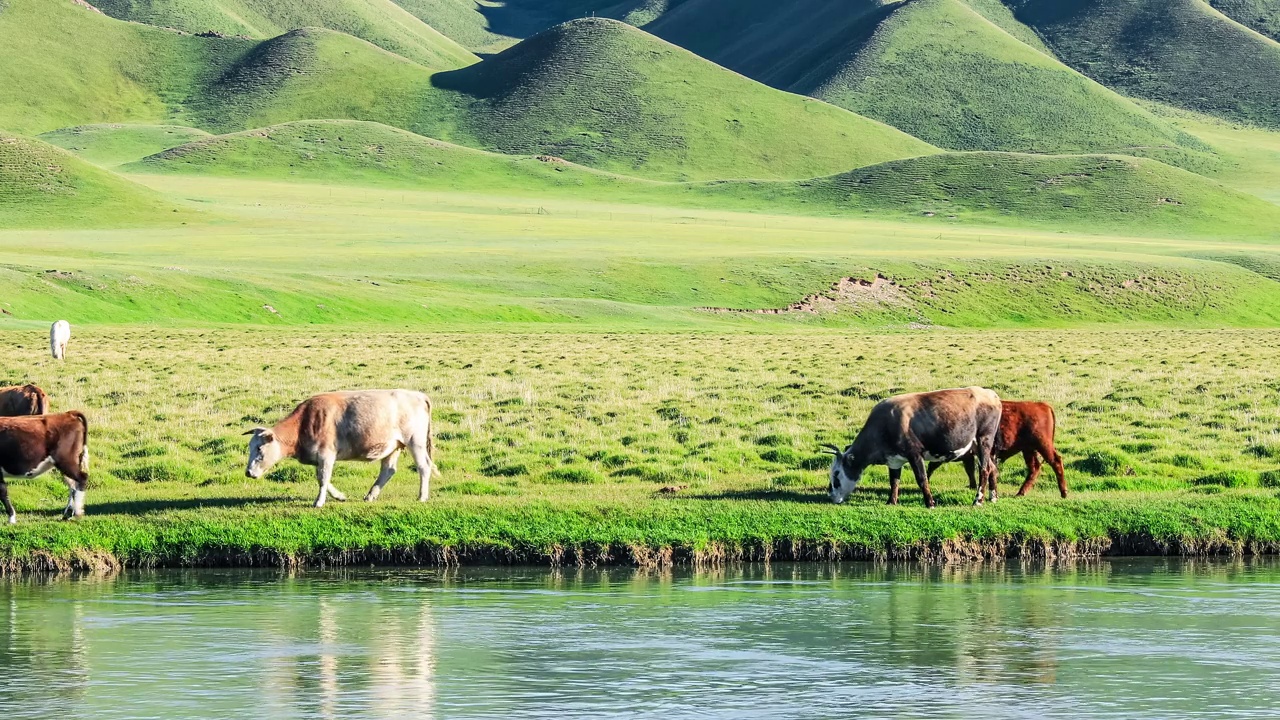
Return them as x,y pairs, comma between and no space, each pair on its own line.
1122,639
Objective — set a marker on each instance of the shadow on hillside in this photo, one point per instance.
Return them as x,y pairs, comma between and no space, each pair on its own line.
525,18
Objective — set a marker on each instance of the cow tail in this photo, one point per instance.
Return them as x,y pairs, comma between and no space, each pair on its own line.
431,439
42,403
84,446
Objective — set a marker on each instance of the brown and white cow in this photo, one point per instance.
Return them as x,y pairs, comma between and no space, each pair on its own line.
23,400
1027,428
912,429
359,425
31,446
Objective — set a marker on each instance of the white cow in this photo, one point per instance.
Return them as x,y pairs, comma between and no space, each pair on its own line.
59,334
360,425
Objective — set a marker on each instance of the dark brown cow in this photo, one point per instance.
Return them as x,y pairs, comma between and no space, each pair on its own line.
913,429
31,446
23,400
1027,428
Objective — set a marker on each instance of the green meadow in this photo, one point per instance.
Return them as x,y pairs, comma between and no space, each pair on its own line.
649,447
588,410
645,257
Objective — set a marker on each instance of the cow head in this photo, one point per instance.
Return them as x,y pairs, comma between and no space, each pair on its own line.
846,472
264,452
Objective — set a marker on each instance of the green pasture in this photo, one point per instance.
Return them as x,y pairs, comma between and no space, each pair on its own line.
277,253
634,443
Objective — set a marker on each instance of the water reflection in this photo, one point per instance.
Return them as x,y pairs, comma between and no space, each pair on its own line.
1127,639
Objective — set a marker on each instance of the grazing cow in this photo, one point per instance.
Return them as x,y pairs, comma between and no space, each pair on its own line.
59,334
23,400
31,446
361,425
1027,428
913,429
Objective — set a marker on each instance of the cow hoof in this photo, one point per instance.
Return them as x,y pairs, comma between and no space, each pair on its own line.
422,498
370,497
13,520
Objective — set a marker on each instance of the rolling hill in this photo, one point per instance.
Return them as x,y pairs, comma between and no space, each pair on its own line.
1261,15
1179,52
938,69
312,73
596,92
114,144
380,22
1087,192
63,65
1099,192
605,94
354,152
42,185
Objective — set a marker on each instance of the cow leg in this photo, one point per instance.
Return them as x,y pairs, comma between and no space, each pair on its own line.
968,470
75,473
922,479
1033,471
324,472
8,506
895,479
388,469
422,460
1055,462
75,499
987,472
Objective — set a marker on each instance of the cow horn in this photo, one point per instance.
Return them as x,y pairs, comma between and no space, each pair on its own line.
830,448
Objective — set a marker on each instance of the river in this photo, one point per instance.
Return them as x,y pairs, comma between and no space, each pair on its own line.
1115,639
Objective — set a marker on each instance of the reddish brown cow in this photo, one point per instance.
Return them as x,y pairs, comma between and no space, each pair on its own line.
23,400
1027,428
31,446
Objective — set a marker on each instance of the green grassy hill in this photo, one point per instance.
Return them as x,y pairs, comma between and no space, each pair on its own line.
114,144
380,22
1179,52
315,73
45,186
604,94
62,64
1102,193
1092,193
364,153
938,69
1261,15
596,92
490,27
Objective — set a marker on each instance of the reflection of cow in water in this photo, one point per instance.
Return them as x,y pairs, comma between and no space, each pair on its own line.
23,400
1027,428
939,426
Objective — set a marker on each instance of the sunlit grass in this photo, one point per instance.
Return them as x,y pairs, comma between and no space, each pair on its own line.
554,441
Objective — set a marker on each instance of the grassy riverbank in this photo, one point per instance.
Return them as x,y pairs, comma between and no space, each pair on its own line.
558,447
